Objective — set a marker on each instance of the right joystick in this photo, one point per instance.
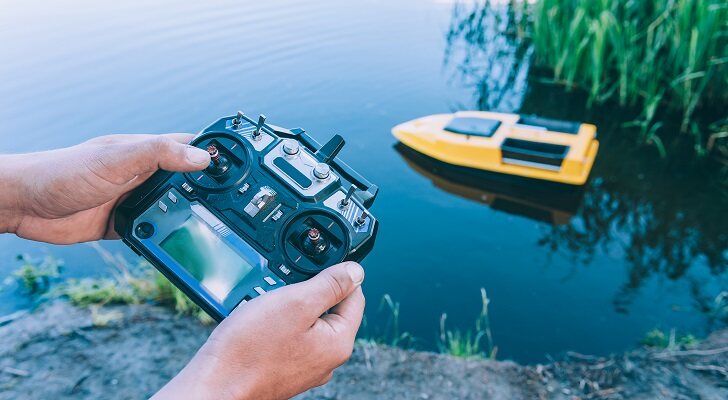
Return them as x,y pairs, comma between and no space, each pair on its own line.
315,240
314,244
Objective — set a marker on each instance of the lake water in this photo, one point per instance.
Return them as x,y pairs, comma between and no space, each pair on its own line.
643,246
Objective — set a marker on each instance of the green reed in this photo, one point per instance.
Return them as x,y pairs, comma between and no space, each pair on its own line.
667,59
662,56
470,343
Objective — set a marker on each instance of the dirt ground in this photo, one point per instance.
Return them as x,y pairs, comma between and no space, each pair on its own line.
58,352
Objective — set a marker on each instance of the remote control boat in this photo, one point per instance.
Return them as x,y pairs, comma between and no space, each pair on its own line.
504,193
526,146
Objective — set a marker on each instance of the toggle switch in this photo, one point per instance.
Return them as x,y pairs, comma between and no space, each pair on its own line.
261,199
238,120
362,219
347,199
257,133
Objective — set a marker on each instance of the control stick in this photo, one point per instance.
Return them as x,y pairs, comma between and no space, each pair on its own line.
314,244
219,164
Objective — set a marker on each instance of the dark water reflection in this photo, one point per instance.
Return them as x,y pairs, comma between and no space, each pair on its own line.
643,246
664,215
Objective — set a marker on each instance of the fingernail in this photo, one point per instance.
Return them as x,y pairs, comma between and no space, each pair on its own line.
197,156
356,272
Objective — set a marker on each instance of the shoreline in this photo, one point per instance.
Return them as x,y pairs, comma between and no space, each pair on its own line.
130,351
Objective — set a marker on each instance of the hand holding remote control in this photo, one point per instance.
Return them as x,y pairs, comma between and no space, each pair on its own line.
273,208
274,347
279,344
68,195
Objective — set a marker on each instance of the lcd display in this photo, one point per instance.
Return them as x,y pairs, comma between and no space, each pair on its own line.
207,257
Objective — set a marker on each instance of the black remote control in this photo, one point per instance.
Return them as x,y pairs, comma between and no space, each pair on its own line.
273,208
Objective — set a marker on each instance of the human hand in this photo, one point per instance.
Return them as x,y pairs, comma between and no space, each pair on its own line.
279,344
68,195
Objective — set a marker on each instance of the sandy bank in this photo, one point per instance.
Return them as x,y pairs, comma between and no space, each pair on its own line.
57,352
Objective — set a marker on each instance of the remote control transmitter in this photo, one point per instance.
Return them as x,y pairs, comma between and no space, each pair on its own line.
273,208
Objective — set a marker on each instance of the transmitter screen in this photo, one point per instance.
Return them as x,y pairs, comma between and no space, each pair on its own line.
207,257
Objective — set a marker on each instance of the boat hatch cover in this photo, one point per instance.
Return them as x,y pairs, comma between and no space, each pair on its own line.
545,155
473,126
555,125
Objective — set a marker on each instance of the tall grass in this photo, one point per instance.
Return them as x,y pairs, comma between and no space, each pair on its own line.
665,58
389,333
476,343
36,275
128,283
668,56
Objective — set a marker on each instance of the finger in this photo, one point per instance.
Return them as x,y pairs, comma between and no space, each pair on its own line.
330,287
183,138
122,138
166,152
345,318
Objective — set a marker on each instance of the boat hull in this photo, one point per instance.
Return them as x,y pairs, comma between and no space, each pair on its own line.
513,149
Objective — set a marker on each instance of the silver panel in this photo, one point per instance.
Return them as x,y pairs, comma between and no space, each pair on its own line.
351,212
246,130
304,162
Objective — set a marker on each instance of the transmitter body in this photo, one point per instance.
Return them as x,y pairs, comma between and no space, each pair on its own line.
274,207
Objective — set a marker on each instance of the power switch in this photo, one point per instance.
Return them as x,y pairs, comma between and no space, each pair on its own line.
261,199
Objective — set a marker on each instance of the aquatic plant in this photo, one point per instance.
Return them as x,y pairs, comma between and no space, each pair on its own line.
657,55
469,344
662,58
714,307
99,291
36,275
657,338
129,283
166,293
389,333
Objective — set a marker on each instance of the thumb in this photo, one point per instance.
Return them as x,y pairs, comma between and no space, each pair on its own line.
331,286
165,152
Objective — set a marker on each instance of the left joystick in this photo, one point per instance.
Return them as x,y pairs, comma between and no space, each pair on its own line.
219,164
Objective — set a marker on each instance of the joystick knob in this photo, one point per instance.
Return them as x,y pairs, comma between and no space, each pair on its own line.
314,235
219,164
314,244
322,171
214,153
291,147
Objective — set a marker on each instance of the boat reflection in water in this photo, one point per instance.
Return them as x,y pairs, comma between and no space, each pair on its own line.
548,202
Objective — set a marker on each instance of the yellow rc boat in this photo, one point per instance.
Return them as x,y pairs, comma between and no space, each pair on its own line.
527,146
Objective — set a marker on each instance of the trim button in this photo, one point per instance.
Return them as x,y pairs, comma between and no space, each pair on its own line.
269,280
162,206
259,290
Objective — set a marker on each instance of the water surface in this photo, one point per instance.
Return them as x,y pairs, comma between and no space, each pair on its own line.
643,246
